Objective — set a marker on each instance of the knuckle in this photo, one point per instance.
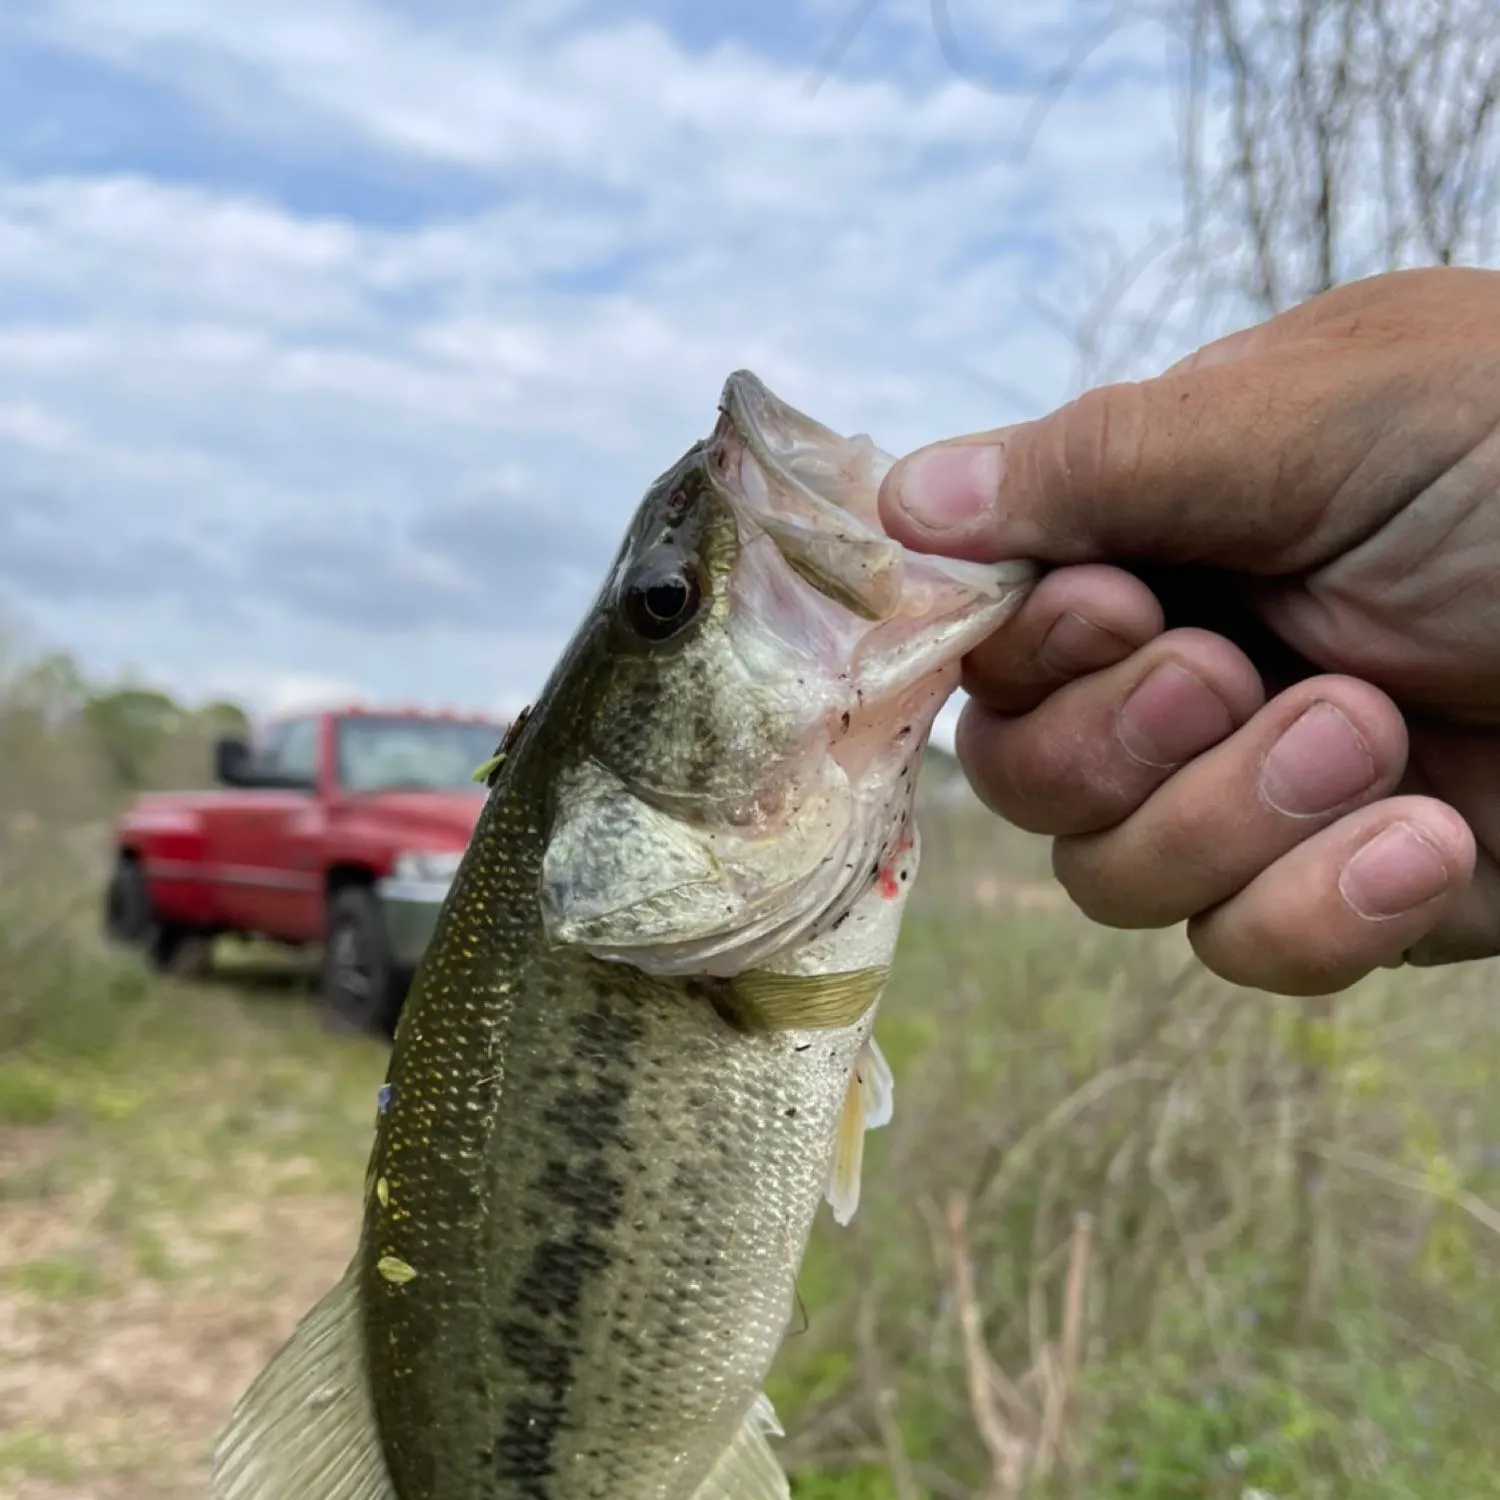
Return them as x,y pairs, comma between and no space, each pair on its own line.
1099,449
1004,682
1102,437
1251,949
1161,868
1104,895
1062,787
1042,766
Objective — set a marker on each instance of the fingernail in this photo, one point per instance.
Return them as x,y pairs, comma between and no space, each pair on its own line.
1396,871
1318,764
1075,645
1171,716
942,488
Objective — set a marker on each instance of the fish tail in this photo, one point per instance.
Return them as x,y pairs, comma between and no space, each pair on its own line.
306,1428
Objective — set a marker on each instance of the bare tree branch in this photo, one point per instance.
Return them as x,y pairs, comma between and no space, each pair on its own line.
1334,138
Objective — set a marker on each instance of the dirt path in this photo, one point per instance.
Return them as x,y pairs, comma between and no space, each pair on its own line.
192,1195
114,1383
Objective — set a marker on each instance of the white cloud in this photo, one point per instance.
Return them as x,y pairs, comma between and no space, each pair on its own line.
499,93
28,426
267,693
258,423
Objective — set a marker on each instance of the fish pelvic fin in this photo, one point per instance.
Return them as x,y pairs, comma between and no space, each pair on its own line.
748,1469
868,1104
306,1428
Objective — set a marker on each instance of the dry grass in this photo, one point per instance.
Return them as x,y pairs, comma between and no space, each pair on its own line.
1287,1284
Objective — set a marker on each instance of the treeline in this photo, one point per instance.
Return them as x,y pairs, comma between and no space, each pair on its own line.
72,747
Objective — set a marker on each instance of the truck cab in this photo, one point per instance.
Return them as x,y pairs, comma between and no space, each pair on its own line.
341,827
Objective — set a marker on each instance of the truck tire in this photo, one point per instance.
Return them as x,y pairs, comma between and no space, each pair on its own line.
363,988
131,920
127,904
175,949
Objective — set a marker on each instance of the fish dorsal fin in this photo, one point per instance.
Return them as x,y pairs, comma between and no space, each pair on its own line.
868,1104
306,1429
748,1469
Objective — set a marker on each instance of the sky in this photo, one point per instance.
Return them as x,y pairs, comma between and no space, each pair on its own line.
340,338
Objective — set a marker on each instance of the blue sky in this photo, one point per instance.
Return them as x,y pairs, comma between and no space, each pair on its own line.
339,338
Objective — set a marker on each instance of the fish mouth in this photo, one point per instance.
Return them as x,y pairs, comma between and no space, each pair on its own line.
832,650
812,493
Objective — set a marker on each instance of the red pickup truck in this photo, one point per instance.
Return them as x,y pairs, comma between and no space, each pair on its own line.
341,827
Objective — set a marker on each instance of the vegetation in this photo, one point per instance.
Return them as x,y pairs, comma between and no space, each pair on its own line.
1104,1249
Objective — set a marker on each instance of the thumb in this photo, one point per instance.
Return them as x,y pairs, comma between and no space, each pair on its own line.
1245,464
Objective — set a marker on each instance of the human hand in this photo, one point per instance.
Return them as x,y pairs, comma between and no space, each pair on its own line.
1312,782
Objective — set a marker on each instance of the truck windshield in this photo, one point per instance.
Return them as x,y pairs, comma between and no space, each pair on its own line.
376,754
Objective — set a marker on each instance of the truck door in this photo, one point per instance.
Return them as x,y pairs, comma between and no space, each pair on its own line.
266,839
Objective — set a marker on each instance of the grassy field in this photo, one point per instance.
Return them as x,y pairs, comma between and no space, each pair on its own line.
1132,1232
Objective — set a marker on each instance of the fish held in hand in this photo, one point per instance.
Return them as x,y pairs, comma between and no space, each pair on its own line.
639,1051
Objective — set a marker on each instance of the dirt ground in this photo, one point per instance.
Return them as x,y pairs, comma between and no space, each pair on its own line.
158,1243
141,1376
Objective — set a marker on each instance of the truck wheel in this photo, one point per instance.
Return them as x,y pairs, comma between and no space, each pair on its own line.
172,949
130,920
127,904
363,989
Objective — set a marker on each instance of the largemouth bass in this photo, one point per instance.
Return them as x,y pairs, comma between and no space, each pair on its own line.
639,1051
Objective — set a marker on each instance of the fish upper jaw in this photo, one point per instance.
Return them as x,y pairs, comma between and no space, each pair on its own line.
815,494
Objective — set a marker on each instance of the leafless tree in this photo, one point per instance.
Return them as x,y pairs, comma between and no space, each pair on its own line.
1320,141
1329,139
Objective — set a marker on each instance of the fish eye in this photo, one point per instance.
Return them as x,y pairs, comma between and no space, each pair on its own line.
658,606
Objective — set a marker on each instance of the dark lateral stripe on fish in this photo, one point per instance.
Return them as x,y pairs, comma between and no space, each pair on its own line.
541,1335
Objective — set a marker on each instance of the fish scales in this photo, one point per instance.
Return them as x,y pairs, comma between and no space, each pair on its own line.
639,1052
640,1273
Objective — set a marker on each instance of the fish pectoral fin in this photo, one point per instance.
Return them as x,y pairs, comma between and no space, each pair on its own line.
306,1428
761,1001
877,1086
868,1104
748,1469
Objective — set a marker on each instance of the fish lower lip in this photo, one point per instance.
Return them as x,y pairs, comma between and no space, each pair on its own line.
891,660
